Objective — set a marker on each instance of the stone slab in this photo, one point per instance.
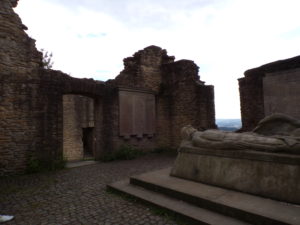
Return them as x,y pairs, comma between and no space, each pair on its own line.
137,113
193,214
282,92
80,163
270,175
254,209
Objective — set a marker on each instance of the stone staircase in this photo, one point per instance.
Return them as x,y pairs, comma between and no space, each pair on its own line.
205,204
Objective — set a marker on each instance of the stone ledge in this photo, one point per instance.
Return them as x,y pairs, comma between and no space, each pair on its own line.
264,174
246,154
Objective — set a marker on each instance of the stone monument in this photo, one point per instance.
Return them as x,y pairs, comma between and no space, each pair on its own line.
264,162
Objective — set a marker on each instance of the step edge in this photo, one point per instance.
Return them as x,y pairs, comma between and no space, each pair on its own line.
116,188
241,214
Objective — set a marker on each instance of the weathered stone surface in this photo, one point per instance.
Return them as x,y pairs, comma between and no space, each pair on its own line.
17,51
275,133
270,88
31,113
282,92
78,113
181,98
264,162
143,69
31,100
137,113
185,100
269,175
78,195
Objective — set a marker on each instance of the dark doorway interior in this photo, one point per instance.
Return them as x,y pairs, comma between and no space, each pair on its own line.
87,139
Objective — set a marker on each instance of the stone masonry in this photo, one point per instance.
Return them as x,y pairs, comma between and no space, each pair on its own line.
78,113
33,116
181,98
270,88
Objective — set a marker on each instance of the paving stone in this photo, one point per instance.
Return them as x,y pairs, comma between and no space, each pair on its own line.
78,195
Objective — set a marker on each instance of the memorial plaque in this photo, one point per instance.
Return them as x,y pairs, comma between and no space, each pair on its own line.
137,113
150,115
126,111
282,93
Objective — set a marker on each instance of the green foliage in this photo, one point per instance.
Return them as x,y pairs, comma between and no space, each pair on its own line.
47,59
35,165
59,163
162,149
125,152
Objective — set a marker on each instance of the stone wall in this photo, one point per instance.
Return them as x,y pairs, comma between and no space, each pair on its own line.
30,121
181,98
78,113
188,101
282,92
113,138
17,51
31,100
267,89
143,69
29,115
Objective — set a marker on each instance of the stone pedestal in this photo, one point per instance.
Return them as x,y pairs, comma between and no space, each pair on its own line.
270,175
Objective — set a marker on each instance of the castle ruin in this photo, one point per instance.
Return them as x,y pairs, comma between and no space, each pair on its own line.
47,114
270,88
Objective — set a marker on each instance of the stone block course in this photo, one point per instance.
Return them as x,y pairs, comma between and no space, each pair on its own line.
31,100
252,92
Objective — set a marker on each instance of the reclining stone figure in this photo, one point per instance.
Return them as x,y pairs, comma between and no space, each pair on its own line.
275,133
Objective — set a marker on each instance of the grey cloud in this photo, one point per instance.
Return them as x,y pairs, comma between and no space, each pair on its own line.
140,13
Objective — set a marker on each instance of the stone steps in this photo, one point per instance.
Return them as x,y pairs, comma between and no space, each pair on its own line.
205,204
192,213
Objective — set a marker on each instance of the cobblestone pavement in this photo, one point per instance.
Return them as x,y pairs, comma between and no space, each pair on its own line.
78,195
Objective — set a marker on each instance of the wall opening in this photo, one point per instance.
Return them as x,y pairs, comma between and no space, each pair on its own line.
78,127
87,140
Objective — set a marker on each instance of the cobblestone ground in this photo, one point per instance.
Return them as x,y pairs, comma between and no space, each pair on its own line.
78,195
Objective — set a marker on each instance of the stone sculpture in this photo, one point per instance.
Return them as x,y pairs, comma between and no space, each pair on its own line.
275,133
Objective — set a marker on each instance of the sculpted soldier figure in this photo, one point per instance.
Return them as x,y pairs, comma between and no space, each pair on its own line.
276,133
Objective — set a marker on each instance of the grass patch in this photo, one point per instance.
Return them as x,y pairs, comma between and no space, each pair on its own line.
11,187
162,149
125,152
35,165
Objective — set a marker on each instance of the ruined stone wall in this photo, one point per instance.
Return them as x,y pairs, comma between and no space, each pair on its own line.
282,92
143,69
112,138
31,112
251,101
255,91
181,98
31,100
25,104
17,51
31,122
189,101
78,113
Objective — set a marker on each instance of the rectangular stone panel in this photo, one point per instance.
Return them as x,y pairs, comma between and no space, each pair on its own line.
282,93
137,113
126,112
150,115
270,175
139,109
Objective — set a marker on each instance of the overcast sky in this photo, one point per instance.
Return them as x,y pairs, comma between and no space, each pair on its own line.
90,38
